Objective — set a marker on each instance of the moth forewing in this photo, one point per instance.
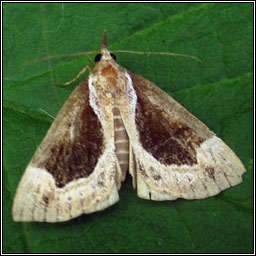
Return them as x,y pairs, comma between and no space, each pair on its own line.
67,175
113,122
176,155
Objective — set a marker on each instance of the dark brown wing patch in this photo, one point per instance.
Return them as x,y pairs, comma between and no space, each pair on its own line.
169,140
72,156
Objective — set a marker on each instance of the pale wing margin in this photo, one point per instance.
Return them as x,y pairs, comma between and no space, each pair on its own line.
67,175
174,154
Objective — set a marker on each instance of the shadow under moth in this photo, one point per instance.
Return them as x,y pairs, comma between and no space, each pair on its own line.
116,121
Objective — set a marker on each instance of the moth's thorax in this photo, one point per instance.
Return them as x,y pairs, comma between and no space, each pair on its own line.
108,77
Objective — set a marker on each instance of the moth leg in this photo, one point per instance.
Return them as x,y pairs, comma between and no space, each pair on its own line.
92,62
77,76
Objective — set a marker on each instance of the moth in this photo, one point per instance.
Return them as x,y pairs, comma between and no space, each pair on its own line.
113,123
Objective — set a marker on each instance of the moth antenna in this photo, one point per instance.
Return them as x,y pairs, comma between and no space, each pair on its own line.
60,56
160,53
104,40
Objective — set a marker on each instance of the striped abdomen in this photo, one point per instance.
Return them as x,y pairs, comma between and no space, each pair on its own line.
121,142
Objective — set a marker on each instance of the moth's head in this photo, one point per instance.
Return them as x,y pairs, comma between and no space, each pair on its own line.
104,54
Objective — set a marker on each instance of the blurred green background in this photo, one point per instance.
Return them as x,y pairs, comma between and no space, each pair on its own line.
219,91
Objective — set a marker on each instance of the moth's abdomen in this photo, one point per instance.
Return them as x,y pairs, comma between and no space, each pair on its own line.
121,142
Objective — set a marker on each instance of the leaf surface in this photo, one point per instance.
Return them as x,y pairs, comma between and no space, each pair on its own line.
219,91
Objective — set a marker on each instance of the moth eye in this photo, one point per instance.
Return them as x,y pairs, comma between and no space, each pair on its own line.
97,57
113,56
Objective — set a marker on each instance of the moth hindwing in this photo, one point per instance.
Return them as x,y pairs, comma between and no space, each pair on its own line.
115,122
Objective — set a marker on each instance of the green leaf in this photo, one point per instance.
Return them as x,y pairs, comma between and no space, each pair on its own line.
219,91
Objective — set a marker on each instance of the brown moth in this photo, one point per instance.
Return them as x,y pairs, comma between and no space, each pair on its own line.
114,122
